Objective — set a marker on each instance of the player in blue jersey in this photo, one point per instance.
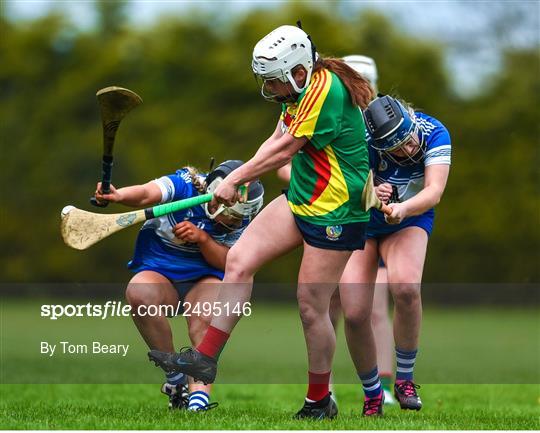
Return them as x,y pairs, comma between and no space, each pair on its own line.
178,259
410,155
380,320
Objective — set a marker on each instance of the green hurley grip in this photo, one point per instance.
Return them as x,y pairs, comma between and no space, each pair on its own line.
167,208
175,206
243,190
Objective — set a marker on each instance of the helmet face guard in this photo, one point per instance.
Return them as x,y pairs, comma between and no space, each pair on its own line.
408,158
239,213
262,83
234,220
392,128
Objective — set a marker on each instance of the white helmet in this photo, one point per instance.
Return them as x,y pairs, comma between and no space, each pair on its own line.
365,66
280,51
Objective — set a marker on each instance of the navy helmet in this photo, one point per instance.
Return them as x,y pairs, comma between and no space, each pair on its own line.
391,126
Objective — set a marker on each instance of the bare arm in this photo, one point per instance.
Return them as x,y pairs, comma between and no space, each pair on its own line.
275,135
434,185
213,252
274,153
134,196
284,173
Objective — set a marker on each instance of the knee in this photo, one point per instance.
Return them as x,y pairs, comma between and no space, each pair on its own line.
141,294
406,294
236,267
357,318
309,315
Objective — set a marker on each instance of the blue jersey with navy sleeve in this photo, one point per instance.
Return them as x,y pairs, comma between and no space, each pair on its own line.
408,180
159,250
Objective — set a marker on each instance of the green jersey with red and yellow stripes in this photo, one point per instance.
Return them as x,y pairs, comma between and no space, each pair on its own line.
330,171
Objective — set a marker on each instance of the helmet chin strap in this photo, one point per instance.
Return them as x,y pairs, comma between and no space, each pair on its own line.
294,84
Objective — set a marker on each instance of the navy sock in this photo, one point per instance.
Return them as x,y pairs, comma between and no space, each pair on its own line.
371,383
405,364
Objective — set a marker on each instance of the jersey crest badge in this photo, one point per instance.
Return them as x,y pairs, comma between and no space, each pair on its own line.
333,232
189,215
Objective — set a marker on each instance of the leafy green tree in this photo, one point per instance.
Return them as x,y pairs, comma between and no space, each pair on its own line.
200,100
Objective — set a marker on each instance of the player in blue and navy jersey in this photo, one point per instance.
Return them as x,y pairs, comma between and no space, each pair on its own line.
179,258
410,156
404,177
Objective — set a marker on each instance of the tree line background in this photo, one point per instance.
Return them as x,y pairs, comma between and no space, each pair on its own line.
200,100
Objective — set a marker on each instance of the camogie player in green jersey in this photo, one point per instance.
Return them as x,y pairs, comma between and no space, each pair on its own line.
380,319
321,129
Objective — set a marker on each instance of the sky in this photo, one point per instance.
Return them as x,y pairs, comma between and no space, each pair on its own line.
473,31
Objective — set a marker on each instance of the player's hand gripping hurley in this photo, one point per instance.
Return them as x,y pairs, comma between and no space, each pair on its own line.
370,199
114,103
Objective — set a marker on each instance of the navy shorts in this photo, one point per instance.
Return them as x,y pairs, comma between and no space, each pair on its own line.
347,237
183,287
378,228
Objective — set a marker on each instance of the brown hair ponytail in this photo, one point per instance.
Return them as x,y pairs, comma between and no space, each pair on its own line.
198,183
359,89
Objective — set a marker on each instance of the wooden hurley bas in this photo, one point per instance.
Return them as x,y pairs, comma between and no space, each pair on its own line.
81,229
370,199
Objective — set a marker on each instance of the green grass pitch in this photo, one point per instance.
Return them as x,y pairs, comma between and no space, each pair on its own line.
261,407
487,348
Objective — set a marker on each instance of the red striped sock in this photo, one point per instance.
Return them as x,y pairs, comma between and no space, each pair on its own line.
318,386
213,342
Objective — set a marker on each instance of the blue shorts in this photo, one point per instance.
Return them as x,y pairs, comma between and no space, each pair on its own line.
152,254
347,237
379,228
183,287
